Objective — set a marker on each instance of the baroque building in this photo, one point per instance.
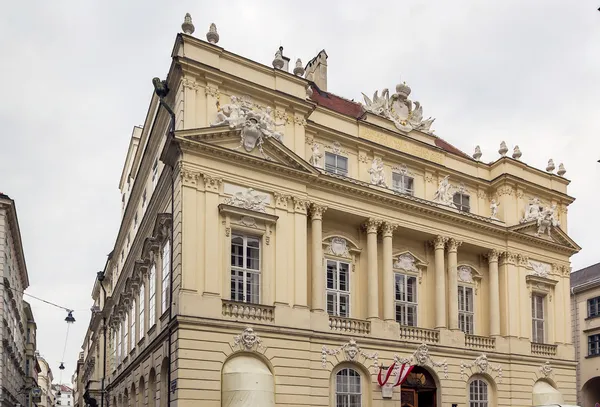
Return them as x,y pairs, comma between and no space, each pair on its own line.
18,365
585,315
287,246
45,378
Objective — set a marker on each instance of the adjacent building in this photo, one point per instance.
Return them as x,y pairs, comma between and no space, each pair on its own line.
285,246
45,378
63,395
17,362
585,313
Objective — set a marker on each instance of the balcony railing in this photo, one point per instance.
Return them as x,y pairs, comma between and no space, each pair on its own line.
356,326
543,349
414,334
242,310
479,342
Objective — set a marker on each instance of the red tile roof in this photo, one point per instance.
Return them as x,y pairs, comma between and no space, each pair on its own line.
356,110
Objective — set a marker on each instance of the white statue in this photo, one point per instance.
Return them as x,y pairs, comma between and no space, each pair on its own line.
267,125
444,193
231,114
494,208
377,174
316,155
532,211
546,220
399,109
477,154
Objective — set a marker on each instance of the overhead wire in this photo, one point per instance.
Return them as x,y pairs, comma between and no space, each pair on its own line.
36,298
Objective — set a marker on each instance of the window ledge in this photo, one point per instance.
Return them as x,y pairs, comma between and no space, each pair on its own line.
164,316
592,356
592,317
152,329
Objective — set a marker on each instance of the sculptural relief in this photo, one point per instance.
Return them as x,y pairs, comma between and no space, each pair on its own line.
377,174
444,194
248,199
256,125
494,209
405,114
315,156
545,218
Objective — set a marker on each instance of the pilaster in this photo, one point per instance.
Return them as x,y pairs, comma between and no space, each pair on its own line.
371,226
318,276
282,237
300,266
212,186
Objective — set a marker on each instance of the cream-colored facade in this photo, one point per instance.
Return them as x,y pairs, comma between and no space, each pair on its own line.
301,264
585,313
45,378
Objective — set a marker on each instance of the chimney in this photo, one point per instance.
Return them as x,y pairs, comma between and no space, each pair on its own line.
316,70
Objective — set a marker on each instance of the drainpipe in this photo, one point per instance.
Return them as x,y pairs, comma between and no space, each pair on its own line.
162,90
100,277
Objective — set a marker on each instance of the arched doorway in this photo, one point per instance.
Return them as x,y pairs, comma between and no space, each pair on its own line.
590,393
419,389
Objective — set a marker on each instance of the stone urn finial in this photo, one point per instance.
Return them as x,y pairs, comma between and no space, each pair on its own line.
278,62
212,35
503,149
477,154
299,69
550,167
561,170
187,26
517,153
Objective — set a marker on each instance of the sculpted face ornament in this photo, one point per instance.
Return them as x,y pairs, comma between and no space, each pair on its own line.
247,340
399,109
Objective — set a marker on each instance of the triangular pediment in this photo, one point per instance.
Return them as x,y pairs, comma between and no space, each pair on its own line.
223,141
555,236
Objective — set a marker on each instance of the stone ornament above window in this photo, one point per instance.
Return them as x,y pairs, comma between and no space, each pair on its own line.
351,352
402,169
248,199
338,247
465,274
248,340
406,262
540,269
256,125
482,366
546,369
399,109
377,173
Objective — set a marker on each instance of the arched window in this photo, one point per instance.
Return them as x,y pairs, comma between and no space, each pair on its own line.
142,393
348,388
151,388
237,373
478,393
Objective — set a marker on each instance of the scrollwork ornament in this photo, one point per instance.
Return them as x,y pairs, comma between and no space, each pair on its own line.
421,357
482,365
351,352
546,369
248,340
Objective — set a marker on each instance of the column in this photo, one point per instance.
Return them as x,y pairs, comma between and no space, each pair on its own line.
440,282
371,226
494,293
452,283
388,272
282,239
318,277
300,253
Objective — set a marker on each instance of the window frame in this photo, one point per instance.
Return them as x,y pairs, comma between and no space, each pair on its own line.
465,315
482,393
335,169
166,274
337,291
461,206
593,303
347,395
403,177
535,318
245,269
406,303
152,295
155,173
593,341
141,314
132,317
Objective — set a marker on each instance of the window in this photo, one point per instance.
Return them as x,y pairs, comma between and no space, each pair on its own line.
406,299
135,221
336,164
478,394
403,183
128,241
122,256
465,309
155,173
245,269
151,295
123,202
338,288
347,388
461,201
126,335
166,273
132,330
594,345
144,199
141,317
593,307
538,323
119,349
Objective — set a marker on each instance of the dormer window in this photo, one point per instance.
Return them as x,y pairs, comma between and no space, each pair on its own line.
336,164
403,183
462,202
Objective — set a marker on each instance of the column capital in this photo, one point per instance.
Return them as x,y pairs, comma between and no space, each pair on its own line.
300,204
372,225
387,229
316,211
492,255
439,242
453,244
281,200
212,184
508,258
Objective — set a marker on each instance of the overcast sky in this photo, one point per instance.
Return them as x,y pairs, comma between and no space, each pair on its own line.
78,76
